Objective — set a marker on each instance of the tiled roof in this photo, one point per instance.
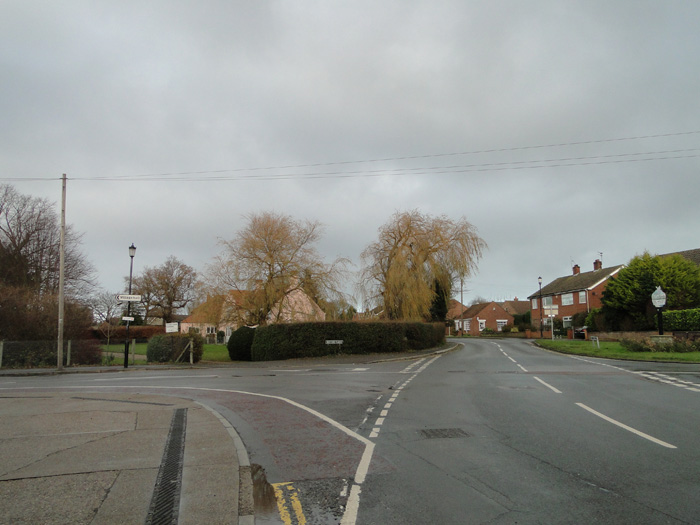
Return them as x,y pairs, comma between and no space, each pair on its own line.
455,309
575,283
691,255
516,307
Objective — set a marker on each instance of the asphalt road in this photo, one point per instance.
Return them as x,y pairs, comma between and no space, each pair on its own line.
497,431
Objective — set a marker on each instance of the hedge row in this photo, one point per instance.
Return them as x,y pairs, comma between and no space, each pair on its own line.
288,341
682,320
117,334
30,354
168,348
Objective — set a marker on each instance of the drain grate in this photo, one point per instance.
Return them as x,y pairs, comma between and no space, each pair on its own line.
443,433
166,494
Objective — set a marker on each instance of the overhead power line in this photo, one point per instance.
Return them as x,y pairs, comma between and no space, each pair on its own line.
210,175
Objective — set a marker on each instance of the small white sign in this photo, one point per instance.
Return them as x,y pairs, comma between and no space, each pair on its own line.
127,318
129,298
658,298
170,328
334,341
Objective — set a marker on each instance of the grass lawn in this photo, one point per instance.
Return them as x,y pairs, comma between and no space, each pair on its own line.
611,350
211,352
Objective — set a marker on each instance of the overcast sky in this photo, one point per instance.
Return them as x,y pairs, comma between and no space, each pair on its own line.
560,130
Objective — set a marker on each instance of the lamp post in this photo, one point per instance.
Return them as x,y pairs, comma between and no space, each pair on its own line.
539,280
658,298
132,252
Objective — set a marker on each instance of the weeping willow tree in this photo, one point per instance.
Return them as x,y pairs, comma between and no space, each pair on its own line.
269,260
414,256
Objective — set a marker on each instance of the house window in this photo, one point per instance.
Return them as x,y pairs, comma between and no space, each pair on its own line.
582,297
567,299
500,323
547,301
567,321
467,325
482,324
534,304
210,330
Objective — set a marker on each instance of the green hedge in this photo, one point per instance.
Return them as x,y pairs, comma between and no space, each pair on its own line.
30,354
167,348
240,344
287,341
682,320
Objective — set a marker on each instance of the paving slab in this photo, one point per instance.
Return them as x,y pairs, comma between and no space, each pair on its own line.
81,458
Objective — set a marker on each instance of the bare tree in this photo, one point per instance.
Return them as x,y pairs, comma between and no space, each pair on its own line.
30,247
273,256
105,311
414,255
166,289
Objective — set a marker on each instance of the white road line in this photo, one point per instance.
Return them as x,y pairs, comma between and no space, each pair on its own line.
380,421
548,385
522,367
383,413
509,357
150,377
628,428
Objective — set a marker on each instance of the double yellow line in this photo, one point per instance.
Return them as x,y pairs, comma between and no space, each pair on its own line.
288,504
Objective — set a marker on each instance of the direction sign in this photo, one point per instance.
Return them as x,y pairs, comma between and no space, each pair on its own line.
125,318
171,327
129,298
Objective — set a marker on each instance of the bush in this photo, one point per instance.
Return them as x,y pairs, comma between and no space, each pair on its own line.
168,348
240,344
286,341
142,334
682,320
646,345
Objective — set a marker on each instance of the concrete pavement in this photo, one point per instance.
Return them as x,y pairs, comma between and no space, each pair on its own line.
95,458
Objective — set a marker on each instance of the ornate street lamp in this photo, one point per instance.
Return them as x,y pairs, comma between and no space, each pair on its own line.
539,280
132,252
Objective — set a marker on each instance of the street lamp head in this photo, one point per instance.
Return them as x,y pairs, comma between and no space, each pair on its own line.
539,280
132,250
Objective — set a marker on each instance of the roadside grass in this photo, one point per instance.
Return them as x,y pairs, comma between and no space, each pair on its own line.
614,350
212,352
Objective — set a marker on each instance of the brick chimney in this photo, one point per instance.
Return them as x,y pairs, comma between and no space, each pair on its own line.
597,264
577,269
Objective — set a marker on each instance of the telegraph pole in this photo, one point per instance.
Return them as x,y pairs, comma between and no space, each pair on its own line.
61,276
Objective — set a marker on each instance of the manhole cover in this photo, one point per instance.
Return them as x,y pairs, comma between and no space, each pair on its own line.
443,433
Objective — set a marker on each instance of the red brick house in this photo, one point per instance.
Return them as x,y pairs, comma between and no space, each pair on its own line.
566,296
476,318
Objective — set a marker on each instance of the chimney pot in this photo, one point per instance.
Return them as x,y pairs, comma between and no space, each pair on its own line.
597,264
577,269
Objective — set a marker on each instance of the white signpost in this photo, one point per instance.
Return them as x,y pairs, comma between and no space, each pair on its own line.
129,298
170,328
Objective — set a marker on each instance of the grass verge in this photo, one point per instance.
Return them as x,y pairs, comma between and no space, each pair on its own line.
613,350
218,353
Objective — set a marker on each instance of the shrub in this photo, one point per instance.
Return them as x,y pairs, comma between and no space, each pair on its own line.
286,341
646,345
682,320
168,348
142,334
240,344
